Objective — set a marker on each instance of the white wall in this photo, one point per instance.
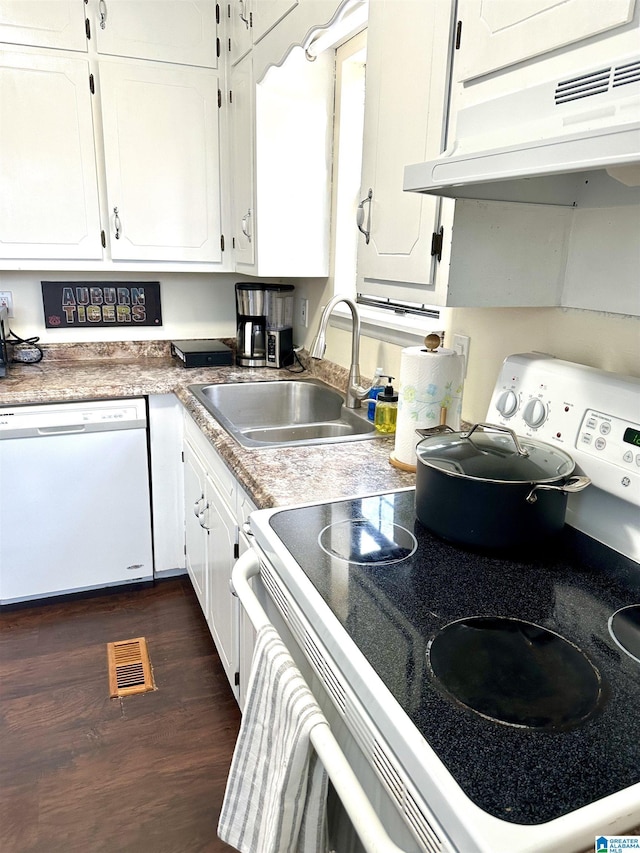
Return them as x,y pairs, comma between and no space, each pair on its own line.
194,305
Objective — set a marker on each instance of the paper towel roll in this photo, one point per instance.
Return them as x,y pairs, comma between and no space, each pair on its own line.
429,383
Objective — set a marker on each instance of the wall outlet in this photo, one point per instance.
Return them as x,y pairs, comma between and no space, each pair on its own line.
461,346
6,299
303,312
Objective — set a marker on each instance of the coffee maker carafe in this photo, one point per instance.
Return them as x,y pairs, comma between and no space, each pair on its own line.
251,320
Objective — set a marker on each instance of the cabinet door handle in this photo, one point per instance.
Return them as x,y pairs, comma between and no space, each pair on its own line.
243,15
196,507
360,217
245,224
102,6
201,516
117,224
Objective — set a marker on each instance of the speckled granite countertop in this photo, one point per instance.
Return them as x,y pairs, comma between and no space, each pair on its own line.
271,477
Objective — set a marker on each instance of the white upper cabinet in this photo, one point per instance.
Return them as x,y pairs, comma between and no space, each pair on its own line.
250,20
496,34
267,13
242,168
406,74
114,159
44,23
281,167
179,31
48,186
161,155
239,29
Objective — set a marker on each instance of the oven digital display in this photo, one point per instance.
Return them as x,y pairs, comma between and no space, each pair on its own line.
632,436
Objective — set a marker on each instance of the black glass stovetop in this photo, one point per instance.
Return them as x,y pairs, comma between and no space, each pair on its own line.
506,664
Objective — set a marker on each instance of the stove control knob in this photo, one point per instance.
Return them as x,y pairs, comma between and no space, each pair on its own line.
507,404
535,413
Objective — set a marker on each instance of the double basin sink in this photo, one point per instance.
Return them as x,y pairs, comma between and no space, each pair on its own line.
284,413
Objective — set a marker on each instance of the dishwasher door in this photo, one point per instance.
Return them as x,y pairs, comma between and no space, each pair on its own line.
74,498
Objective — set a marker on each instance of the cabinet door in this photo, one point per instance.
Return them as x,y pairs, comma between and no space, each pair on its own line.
267,13
239,29
404,118
43,23
162,164
242,133
195,521
222,611
166,438
180,31
246,631
496,34
48,184
293,120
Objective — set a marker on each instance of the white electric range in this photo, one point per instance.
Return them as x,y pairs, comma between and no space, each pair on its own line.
486,702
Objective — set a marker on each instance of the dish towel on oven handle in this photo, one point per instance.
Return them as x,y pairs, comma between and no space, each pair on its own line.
275,800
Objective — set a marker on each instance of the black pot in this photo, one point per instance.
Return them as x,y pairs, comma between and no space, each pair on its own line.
489,489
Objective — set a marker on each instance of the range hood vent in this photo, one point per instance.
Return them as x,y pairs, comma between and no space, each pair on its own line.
575,142
597,82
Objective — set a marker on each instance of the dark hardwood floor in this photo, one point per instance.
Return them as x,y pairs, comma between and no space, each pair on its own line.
82,772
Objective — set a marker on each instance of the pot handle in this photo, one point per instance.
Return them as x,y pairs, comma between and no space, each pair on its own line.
572,485
497,428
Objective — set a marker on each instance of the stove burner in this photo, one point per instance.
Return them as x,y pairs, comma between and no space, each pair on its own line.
624,627
515,672
359,541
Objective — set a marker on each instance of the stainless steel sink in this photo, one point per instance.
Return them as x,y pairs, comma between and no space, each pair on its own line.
284,413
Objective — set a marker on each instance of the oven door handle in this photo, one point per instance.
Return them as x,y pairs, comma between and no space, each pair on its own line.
365,821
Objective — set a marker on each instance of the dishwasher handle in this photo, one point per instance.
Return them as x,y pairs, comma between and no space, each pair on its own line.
62,430
364,818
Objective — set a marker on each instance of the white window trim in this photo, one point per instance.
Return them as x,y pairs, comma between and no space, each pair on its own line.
384,325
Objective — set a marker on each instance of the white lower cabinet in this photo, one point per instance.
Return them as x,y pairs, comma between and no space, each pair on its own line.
246,631
166,425
222,605
195,531
215,506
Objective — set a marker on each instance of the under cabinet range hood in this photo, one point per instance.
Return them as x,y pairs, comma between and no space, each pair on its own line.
573,141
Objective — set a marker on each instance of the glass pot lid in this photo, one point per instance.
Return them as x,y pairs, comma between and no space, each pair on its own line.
494,453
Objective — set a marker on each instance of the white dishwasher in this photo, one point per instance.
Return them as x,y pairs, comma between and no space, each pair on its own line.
74,498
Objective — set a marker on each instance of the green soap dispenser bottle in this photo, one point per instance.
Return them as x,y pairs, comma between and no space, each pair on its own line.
386,410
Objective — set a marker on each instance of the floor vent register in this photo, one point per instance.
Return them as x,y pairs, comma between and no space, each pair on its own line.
129,667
